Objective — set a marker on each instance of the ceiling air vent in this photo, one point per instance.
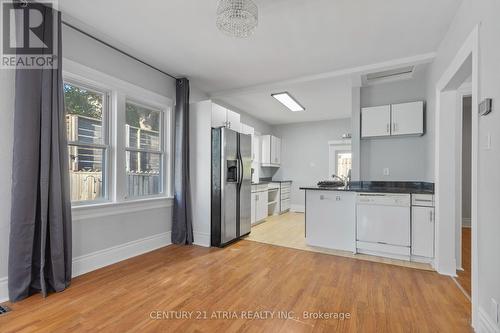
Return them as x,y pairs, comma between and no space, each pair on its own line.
390,75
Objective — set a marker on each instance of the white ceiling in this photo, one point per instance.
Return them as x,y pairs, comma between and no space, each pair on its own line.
294,38
323,99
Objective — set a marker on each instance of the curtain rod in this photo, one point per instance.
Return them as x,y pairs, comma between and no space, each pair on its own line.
116,49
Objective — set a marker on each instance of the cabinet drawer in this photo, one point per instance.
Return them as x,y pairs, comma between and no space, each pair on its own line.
285,205
285,196
259,188
285,190
426,200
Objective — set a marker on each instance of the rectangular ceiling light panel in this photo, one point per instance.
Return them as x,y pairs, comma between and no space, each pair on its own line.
287,100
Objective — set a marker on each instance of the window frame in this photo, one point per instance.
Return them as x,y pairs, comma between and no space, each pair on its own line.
119,93
106,139
162,151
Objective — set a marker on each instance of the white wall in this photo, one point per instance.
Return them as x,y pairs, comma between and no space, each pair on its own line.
470,14
96,241
304,153
406,157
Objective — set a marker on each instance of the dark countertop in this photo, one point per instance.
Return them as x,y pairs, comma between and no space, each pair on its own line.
379,187
261,182
269,180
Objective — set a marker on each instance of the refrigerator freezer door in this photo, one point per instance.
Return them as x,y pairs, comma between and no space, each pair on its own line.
229,185
245,184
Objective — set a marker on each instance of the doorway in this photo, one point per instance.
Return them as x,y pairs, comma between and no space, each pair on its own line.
448,176
464,221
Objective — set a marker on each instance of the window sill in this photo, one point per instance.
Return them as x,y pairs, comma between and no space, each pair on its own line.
96,210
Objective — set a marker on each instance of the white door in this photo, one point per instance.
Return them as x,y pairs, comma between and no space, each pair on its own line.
218,116
376,121
233,120
254,208
408,118
423,232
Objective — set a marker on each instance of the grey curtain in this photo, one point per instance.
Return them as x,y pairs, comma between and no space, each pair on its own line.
182,225
40,230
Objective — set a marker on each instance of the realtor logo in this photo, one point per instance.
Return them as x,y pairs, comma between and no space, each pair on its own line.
29,34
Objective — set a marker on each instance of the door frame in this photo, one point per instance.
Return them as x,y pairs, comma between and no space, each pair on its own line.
464,91
445,261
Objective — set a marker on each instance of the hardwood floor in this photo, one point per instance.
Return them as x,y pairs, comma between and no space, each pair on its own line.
288,230
464,277
246,276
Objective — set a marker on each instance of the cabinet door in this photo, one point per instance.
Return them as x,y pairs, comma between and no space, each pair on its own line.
261,205
376,121
408,118
265,157
276,150
423,232
256,148
218,116
254,208
233,120
330,219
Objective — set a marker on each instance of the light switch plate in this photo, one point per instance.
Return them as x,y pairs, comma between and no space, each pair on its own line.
386,171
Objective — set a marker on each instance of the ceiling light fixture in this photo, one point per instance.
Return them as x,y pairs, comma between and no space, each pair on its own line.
237,18
287,100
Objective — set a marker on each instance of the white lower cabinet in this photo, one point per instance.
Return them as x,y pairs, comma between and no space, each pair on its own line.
331,219
259,203
422,231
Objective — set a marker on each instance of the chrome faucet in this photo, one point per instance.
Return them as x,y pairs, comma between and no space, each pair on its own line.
344,180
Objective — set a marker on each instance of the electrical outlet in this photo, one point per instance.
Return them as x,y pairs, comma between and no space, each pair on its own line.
494,310
386,172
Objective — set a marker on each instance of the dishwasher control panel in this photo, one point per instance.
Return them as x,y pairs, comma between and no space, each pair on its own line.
384,199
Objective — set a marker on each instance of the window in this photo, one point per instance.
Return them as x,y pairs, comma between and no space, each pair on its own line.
340,159
86,110
119,141
144,150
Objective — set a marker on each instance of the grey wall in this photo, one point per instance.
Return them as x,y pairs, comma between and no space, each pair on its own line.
406,157
482,13
304,152
93,234
466,156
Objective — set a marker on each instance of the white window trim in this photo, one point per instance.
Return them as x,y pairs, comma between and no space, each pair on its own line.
120,91
333,147
107,135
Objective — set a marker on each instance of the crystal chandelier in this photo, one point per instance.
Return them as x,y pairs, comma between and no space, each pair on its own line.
237,18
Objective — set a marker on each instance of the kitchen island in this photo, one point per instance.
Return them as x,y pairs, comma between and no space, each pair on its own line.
389,219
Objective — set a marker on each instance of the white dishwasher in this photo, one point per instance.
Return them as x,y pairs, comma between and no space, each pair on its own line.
383,224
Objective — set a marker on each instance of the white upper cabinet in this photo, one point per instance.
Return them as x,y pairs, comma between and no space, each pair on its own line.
271,151
393,120
219,116
275,150
408,118
233,120
222,117
376,121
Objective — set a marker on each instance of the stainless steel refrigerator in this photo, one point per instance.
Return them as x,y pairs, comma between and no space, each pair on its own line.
231,186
